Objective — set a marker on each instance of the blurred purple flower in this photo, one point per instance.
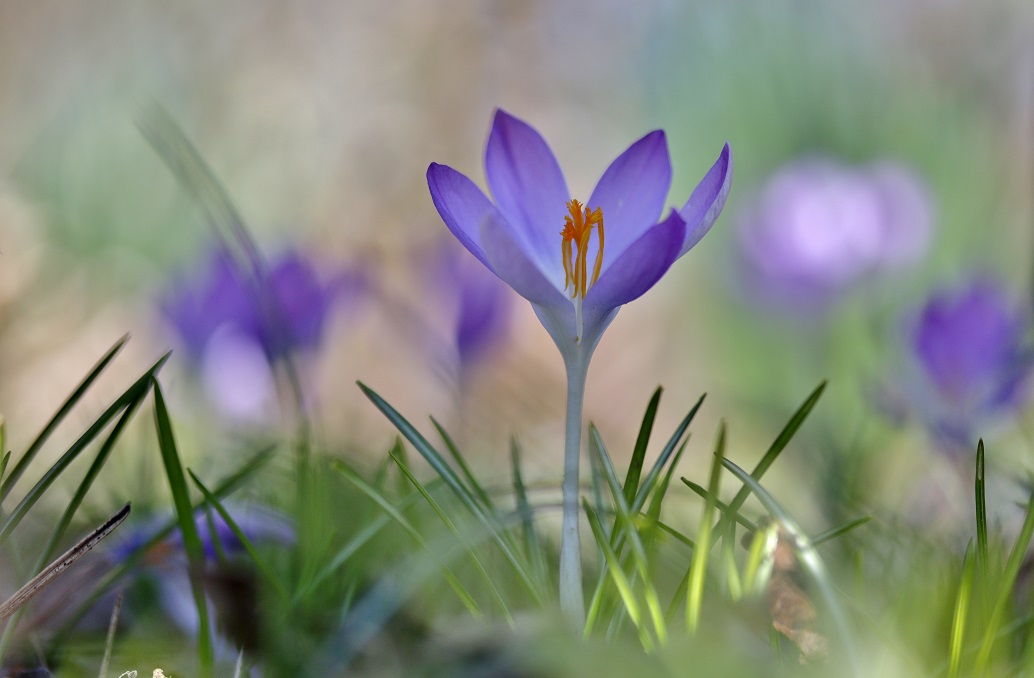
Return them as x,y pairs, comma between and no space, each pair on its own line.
232,327
970,348
480,303
818,227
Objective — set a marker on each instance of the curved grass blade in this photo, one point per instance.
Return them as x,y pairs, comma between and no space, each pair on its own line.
698,566
719,504
961,612
839,530
260,562
532,545
809,558
133,394
36,445
778,445
635,465
657,496
451,526
454,451
488,518
669,449
1005,589
617,574
385,505
188,527
981,510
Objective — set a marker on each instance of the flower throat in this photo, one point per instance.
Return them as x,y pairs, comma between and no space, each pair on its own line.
574,245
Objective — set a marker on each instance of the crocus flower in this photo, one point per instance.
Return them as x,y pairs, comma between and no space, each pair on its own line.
972,359
576,262
818,227
233,328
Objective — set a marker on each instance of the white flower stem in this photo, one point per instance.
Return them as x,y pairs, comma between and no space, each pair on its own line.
572,599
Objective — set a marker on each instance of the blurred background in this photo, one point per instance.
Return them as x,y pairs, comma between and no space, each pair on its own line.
878,233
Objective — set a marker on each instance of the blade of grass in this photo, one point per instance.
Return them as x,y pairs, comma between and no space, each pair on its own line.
393,513
778,445
1005,589
981,511
532,545
472,480
839,530
630,533
451,526
669,449
635,466
260,562
719,504
698,566
488,518
808,557
621,582
135,392
36,445
188,527
961,613
657,496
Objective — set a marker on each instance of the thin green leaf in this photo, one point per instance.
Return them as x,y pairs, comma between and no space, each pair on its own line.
635,465
698,566
451,526
961,613
669,449
839,530
808,557
657,496
260,562
621,582
454,451
532,544
664,527
188,527
778,445
981,509
719,504
1005,589
393,513
36,445
134,393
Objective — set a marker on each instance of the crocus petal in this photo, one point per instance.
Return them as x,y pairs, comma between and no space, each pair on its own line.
708,198
639,267
632,192
509,261
461,205
528,187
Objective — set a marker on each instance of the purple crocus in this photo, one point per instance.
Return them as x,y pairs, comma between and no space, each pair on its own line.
233,327
576,262
973,360
818,227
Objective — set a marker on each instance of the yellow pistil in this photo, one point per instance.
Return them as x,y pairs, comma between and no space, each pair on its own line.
574,246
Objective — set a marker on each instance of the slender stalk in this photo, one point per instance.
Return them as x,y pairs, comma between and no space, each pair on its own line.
572,600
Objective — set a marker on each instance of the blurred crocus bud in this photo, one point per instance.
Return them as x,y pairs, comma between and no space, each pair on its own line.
481,305
970,348
234,326
818,227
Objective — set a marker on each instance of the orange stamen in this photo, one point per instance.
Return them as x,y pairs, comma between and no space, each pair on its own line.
578,227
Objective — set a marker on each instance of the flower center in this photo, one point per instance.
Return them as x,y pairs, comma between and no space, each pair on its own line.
574,246
578,227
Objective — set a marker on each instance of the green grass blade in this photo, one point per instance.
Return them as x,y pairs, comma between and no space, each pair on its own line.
488,518
981,509
133,394
839,530
635,466
961,613
664,527
778,445
809,559
669,449
698,566
532,544
188,527
1005,589
343,555
36,445
617,574
393,513
720,505
657,496
260,562
451,527
457,456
